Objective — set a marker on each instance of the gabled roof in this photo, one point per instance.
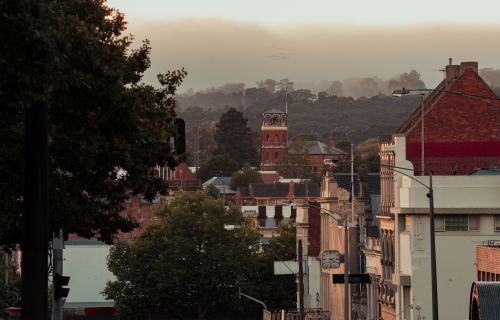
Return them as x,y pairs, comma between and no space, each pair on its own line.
318,147
435,96
274,110
217,181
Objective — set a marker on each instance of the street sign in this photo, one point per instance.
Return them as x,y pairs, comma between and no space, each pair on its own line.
354,278
330,259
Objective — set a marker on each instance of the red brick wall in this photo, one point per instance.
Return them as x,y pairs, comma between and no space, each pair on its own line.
461,133
273,146
487,259
314,232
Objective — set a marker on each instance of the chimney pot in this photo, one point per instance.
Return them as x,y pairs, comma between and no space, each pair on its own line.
291,191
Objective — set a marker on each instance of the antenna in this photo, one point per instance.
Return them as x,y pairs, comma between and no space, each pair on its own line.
286,101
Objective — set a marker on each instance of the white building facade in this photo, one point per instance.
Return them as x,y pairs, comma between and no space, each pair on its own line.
465,210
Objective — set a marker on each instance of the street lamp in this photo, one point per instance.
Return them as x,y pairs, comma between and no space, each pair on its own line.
430,195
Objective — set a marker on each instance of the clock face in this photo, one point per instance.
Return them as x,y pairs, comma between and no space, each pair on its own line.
330,259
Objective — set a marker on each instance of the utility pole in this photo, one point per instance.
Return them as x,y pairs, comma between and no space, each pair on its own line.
57,265
35,240
301,282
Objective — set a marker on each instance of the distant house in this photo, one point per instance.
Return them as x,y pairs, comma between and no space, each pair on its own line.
275,194
223,186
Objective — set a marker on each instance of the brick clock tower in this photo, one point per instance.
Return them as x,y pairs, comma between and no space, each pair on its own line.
274,138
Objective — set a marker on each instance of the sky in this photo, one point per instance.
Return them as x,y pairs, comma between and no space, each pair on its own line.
230,41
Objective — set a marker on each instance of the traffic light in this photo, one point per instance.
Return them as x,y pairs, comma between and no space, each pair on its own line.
60,282
180,136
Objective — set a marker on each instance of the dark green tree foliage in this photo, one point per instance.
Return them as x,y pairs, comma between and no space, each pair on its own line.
187,266
217,166
73,55
244,177
234,138
277,291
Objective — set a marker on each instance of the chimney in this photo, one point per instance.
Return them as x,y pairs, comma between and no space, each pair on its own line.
331,142
452,71
291,192
468,65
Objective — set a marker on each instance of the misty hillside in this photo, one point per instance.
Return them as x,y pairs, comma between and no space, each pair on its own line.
371,112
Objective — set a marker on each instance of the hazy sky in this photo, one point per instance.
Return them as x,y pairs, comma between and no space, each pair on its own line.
221,41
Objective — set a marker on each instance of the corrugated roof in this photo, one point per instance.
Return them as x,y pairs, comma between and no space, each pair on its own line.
318,147
487,296
274,110
217,181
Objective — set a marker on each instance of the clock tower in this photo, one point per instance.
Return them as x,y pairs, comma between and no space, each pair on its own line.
274,138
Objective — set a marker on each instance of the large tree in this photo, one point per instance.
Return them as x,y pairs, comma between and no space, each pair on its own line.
73,55
187,266
234,138
217,166
245,176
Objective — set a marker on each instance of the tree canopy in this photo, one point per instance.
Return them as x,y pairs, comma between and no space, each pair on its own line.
187,266
74,56
234,138
217,166
244,177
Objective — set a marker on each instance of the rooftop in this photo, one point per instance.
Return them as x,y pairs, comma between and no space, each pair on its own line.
319,147
274,110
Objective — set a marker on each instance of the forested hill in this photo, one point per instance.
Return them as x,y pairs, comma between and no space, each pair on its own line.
344,118
351,110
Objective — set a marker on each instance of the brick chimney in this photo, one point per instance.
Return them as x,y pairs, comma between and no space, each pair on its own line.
291,192
468,65
452,71
331,142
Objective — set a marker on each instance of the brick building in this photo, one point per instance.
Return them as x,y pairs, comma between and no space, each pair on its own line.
461,133
274,146
487,258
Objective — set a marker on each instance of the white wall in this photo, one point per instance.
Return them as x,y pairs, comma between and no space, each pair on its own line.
86,265
455,262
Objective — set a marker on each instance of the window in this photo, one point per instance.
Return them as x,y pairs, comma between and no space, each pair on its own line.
267,137
473,223
276,137
497,223
456,223
438,223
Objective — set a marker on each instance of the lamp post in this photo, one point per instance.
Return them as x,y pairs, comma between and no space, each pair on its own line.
430,195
